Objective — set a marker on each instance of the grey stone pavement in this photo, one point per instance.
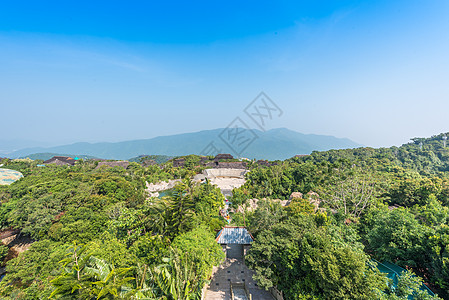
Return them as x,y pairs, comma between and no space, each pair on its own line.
232,270
236,271
240,294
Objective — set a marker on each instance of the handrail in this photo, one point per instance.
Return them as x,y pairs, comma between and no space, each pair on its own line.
248,295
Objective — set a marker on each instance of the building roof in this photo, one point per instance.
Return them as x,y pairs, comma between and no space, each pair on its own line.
60,160
393,272
228,164
149,162
179,162
234,235
265,163
223,156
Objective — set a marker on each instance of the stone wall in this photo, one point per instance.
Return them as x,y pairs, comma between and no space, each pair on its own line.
224,172
227,164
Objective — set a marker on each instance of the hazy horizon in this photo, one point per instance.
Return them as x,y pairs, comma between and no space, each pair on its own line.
370,72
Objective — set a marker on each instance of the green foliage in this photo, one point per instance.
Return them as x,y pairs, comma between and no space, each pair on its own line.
166,171
408,286
301,260
71,197
159,159
439,255
200,248
299,206
152,248
109,281
179,211
3,251
176,279
208,201
398,237
352,191
73,281
81,225
28,276
128,224
85,277
186,206
268,214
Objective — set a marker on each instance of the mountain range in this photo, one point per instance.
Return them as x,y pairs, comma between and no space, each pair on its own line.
280,143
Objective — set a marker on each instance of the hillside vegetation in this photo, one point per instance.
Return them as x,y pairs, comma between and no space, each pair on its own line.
97,235
384,204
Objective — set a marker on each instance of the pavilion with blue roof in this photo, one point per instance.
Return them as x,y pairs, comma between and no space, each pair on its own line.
235,240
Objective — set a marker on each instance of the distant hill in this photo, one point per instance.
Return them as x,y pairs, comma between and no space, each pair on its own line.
8,146
428,156
280,143
46,156
159,159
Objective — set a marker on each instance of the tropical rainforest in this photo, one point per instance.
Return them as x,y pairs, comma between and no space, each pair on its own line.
97,235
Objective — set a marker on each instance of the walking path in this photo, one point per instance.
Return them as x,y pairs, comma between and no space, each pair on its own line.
226,180
239,294
233,270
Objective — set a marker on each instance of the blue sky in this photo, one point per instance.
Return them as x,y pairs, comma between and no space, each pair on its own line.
374,72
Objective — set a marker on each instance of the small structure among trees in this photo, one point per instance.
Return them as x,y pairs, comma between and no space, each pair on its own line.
235,240
228,165
226,161
124,164
265,163
148,162
179,162
223,156
61,161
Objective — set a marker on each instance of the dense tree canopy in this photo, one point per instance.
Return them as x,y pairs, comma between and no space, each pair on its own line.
385,204
97,235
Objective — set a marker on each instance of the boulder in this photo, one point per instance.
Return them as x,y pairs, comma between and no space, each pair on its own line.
314,199
296,195
283,202
251,205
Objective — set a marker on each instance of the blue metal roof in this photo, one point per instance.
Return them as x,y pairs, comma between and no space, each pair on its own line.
234,235
394,272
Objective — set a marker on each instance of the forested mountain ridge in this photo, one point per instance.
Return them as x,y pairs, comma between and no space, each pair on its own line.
97,235
272,144
426,155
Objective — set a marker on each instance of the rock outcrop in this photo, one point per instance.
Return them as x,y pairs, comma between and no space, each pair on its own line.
295,195
153,189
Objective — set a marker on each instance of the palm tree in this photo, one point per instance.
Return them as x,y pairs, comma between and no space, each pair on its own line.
181,207
85,276
73,282
177,279
172,214
109,280
145,287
